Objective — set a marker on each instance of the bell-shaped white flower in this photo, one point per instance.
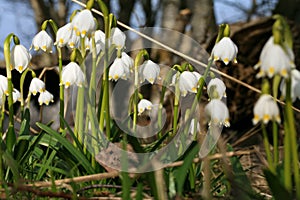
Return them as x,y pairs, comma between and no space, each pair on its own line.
20,58
84,23
99,41
36,85
45,98
3,85
216,89
72,74
143,105
149,71
266,109
118,37
118,69
218,112
274,60
295,87
188,82
42,41
128,61
16,95
225,50
66,36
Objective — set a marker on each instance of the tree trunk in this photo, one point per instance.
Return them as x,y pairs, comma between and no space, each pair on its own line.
203,20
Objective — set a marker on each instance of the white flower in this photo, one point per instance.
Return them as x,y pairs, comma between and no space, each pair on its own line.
216,89
72,74
218,112
16,95
274,60
45,98
42,41
66,36
143,105
20,58
295,87
149,71
265,109
3,85
84,23
99,41
118,38
188,82
118,69
225,50
128,61
36,85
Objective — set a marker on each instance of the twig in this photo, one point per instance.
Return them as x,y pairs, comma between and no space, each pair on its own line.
93,177
212,157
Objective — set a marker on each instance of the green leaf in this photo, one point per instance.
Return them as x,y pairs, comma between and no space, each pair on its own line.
278,190
182,171
72,150
10,139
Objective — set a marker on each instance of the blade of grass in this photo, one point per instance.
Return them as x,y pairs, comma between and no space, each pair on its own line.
74,151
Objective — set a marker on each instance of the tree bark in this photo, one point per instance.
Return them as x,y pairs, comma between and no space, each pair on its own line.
203,20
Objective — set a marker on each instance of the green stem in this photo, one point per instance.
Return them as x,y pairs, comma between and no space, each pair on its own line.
176,104
11,137
275,143
61,90
23,76
105,113
287,158
267,148
135,100
293,137
201,84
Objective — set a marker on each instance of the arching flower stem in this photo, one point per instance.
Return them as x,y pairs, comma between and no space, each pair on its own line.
11,137
142,54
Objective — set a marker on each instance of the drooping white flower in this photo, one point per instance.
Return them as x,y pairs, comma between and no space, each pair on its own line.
274,60
149,71
99,41
20,58
216,88
265,109
72,74
217,112
295,87
42,41
118,37
45,98
188,82
143,105
225,50
36,85
3,85
118,69
84,23
16,95
128,61
66,36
